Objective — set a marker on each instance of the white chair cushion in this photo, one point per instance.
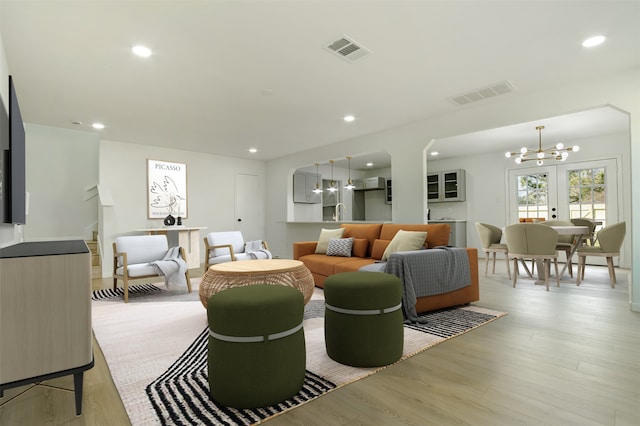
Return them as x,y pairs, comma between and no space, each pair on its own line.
230,237
143,248
138,270
227,258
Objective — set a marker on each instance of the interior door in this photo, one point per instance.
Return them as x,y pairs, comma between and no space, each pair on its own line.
249,206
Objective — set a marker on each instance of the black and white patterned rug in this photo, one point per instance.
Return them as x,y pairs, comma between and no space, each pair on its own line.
180,395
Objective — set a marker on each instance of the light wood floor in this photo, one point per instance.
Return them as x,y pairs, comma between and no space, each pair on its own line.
570,356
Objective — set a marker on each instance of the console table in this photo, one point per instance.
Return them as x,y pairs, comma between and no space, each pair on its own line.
186,237
45,313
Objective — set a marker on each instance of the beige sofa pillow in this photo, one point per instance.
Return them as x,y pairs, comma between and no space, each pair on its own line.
405,241
323,239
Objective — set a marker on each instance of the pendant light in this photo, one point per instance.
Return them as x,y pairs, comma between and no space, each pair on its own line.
558,152
349,184
332,186
317,189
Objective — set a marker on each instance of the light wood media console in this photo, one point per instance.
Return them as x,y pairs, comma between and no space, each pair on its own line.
45,313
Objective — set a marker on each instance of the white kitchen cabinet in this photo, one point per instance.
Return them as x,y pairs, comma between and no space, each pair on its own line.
303,186
446,186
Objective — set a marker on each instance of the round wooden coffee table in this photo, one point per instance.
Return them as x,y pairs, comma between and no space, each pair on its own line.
287,272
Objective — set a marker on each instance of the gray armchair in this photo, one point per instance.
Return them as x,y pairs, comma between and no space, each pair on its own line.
532,241
609,241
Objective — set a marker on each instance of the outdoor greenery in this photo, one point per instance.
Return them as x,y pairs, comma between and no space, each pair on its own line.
587,194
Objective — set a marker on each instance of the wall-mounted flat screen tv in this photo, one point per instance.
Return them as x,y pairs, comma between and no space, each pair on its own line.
4,165
16,170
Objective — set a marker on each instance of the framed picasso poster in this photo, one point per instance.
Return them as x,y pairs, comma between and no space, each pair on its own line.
166,189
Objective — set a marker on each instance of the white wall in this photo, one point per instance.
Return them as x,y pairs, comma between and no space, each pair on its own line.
407,144
61,176
210,191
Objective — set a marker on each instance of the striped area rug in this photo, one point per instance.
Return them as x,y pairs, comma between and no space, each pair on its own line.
162,373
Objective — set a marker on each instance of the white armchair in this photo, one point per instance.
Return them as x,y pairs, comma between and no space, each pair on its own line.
226,247
133,258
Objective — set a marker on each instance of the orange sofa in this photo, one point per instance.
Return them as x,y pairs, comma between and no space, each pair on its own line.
370,242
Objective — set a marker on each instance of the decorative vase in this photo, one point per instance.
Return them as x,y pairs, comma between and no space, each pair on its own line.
179,221
169,220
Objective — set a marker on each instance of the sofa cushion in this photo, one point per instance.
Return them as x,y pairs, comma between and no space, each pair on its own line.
352,265
360,246
437,233
379,246
322,264
340,247
369,231
405,241
325,235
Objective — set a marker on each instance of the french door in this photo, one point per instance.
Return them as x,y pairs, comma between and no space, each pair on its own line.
564,192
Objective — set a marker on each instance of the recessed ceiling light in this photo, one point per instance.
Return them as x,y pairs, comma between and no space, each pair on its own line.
349,118
142,51
434,153
594,41
98,126
253,150
369,164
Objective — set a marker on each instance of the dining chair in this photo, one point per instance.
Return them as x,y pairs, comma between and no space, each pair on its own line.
490,237
532,241
565,242
608,243
591,236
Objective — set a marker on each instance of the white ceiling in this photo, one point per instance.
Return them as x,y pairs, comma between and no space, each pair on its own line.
226,76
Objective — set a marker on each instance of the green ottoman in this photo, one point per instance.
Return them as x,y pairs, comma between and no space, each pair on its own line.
257,353
363,322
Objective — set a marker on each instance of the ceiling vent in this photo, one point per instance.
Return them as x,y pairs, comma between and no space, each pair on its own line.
348,49
497,89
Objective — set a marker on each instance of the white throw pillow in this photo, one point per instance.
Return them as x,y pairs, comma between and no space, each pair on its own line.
405,241
340,247
323,239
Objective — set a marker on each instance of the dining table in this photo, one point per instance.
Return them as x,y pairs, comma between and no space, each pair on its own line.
578,233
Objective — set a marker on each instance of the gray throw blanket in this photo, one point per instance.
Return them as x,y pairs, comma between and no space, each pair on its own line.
255,250
427,273
172,267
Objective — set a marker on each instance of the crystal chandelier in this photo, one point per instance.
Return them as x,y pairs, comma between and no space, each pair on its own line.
558,152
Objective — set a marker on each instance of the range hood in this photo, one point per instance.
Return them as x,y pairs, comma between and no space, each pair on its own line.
370,183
